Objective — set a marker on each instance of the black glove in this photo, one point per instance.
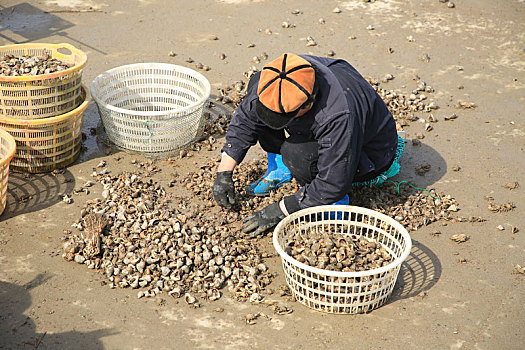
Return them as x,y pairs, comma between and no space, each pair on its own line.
263,220
223,189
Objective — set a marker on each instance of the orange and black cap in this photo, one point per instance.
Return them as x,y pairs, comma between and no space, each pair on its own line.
285,85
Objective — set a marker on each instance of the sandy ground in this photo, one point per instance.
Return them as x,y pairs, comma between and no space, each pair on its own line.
438,303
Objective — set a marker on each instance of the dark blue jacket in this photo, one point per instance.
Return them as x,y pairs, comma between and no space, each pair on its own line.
355,131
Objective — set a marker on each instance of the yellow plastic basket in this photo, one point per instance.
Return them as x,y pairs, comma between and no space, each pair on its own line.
44,145
47,95
7,151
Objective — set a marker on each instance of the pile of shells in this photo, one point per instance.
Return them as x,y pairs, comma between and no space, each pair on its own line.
216,124
11,65
403,107
413,209
336,252
230,95
200,184
233,93
139,236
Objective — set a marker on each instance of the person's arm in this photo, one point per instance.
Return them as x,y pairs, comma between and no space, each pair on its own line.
243,128
227,163
241,135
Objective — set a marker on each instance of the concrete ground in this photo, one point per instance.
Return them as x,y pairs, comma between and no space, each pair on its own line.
448,295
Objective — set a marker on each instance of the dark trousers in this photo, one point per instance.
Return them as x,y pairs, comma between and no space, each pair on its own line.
300,156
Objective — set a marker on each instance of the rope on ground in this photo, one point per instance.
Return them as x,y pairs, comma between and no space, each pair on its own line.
417,188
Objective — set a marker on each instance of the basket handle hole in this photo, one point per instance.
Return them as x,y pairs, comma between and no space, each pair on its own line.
64,51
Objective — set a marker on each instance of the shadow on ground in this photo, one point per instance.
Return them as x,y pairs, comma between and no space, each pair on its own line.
19,331
27,193
415,156
25,23
419,273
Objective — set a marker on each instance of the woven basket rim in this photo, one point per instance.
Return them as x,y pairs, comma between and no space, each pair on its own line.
12,145
347,209
53,47
131,113
50,120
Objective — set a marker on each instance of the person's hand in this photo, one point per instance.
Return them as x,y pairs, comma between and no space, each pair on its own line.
223,189
263,220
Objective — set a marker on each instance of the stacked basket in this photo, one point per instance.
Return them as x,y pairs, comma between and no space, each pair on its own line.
44,113
7,151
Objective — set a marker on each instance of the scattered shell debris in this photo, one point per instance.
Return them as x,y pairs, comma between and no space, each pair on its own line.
512,185
501,208
67,199
460,238
310,41
422,169
287,25
251,319
387,78
465,105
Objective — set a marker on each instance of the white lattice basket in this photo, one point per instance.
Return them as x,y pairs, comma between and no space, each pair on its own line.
151,107
343,292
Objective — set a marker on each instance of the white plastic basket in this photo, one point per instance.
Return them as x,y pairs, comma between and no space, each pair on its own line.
343,292
151,107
